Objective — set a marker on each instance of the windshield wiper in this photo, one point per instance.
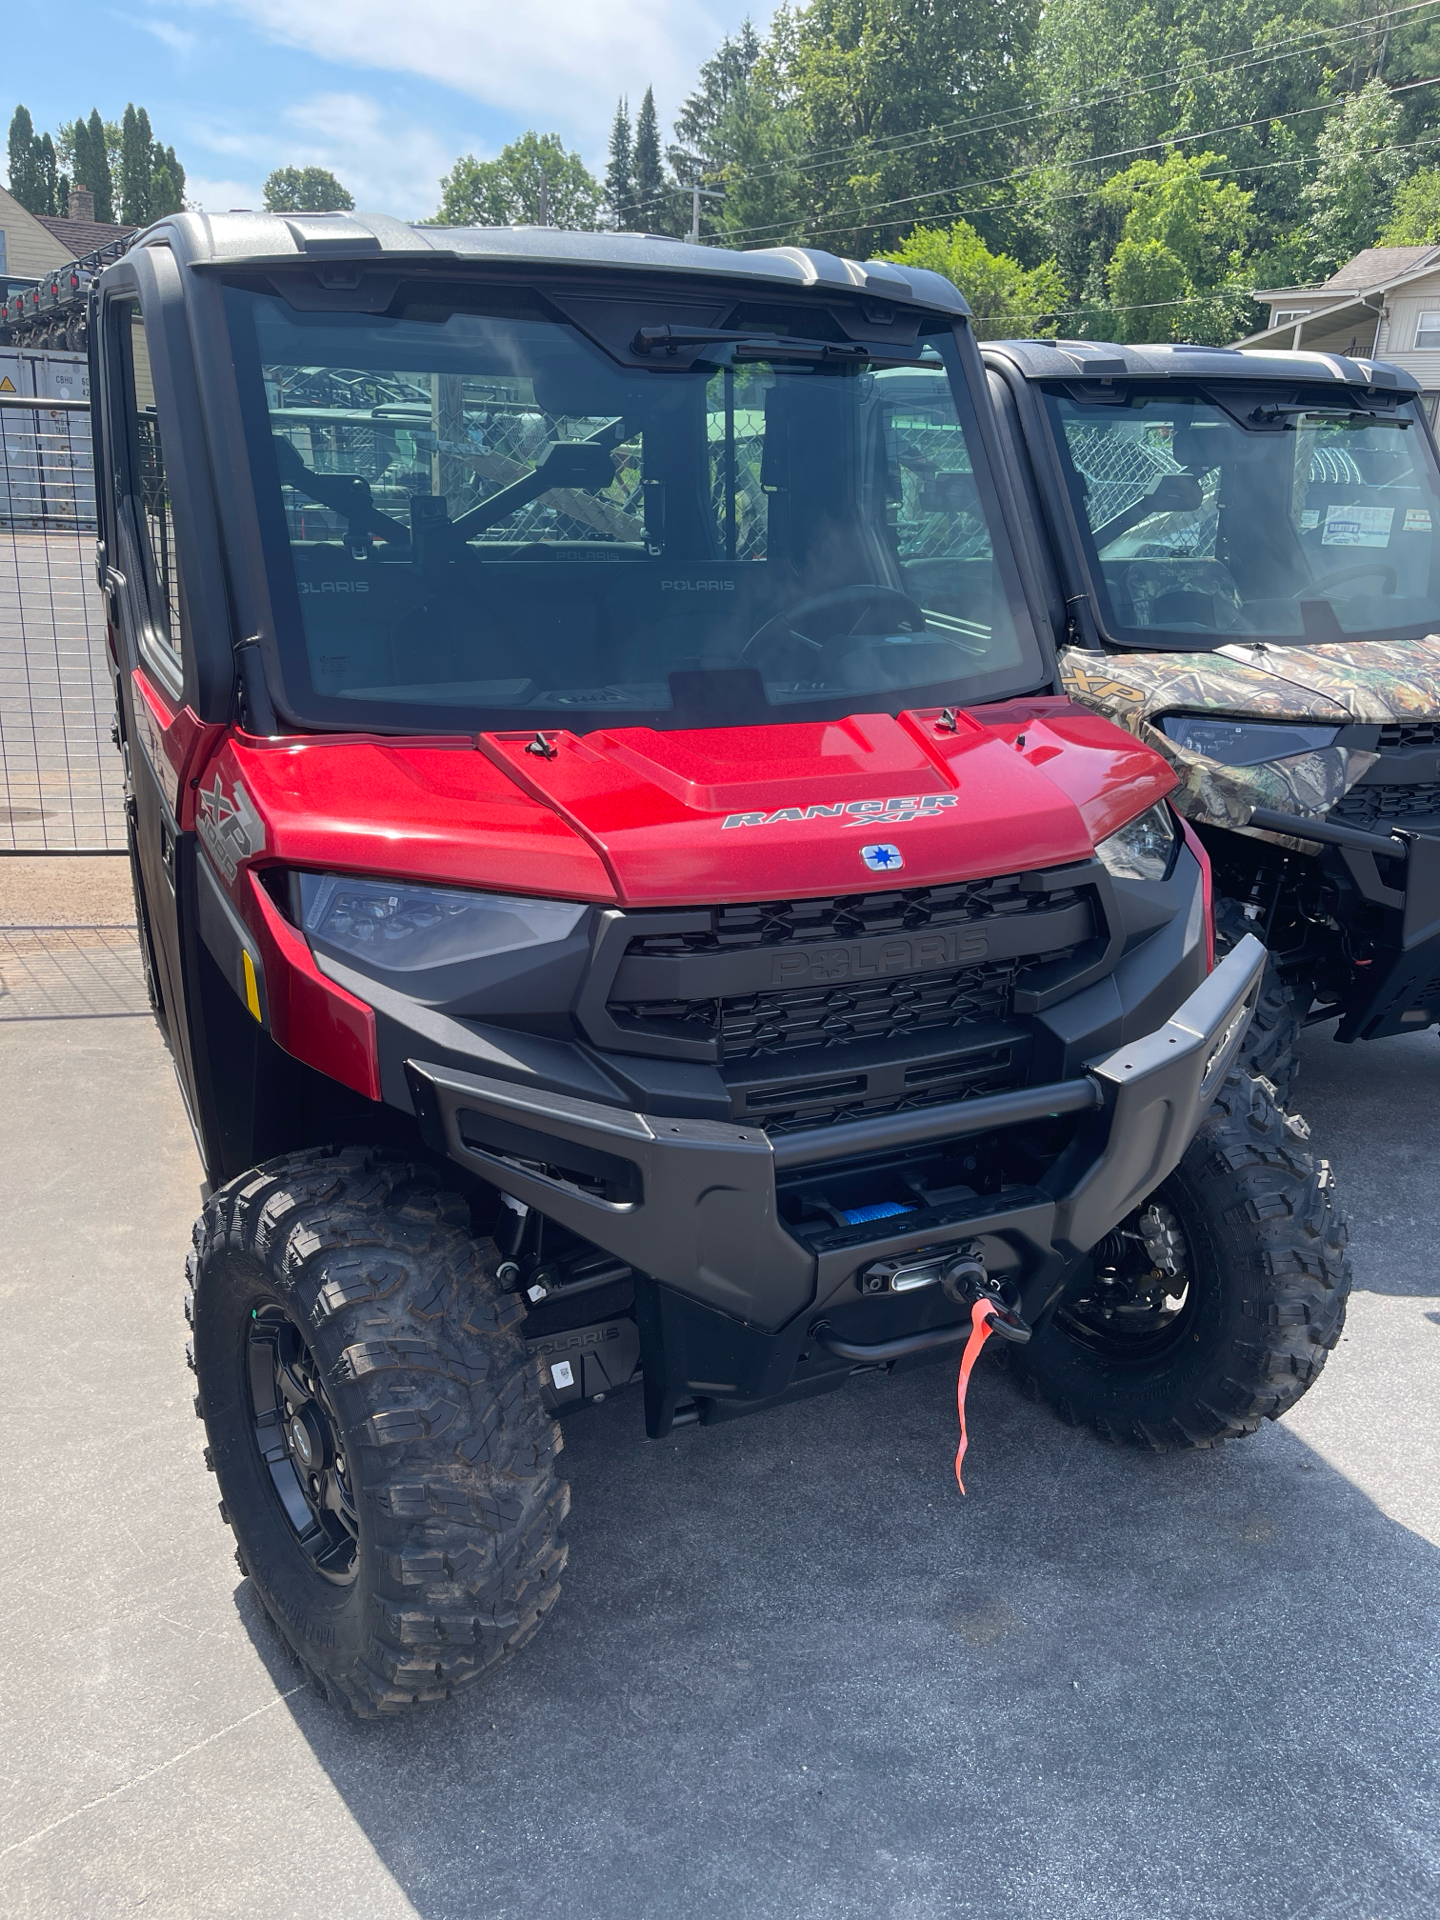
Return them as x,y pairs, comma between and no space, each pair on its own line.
1279,411
771,346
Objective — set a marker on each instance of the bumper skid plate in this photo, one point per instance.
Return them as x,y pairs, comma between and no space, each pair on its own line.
693,1203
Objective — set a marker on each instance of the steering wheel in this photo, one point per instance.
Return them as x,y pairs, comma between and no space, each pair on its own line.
1360,568
789,626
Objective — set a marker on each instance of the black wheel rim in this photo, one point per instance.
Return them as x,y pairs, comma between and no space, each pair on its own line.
1143,1293
301,1444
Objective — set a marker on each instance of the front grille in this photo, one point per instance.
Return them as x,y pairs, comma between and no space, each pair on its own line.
1368,806
1411,733
854,916
756,1024
914,995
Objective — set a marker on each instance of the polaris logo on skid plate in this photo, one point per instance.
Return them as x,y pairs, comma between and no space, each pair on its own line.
882,859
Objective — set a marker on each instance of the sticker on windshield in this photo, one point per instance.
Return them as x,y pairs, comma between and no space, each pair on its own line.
1310,517
1417,520
1350,526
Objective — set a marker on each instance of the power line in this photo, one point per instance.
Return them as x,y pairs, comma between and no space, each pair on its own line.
1087,193
1182,73
865,217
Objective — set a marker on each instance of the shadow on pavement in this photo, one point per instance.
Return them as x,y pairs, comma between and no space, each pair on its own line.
794,1673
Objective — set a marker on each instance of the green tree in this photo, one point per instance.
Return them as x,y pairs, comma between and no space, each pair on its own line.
168,168
1416,219
81,148
620,171
46,176
700,150
1183,238
530,179
97,156
1177,204
136,167
1359,170
24,171
651,199
899,107
1005,298
306,190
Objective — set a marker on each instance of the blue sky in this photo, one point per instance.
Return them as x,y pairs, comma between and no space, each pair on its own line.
384,92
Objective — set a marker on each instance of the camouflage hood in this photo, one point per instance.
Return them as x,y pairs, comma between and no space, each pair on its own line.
1366,682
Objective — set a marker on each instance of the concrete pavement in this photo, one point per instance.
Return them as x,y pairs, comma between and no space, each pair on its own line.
792,1673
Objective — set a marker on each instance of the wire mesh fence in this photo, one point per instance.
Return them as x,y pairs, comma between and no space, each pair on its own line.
61,782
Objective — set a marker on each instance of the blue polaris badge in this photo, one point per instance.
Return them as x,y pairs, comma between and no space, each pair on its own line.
882,859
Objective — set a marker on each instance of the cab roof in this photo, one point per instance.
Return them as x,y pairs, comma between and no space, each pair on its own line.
1106,360
270,239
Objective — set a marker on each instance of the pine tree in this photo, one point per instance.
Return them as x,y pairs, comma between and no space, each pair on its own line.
23,181
90,165
649,175
620,173
45,176
173,200
135,168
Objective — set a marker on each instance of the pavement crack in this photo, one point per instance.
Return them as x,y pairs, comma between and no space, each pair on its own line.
149,1774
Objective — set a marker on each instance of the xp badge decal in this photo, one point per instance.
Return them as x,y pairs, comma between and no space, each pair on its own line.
882,859
230,827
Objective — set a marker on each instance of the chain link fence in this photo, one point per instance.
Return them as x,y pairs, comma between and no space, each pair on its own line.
61,781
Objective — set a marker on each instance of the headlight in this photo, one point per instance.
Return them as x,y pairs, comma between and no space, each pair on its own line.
1143,848
1243,743
401,928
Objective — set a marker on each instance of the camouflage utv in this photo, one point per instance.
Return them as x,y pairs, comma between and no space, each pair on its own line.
1241,553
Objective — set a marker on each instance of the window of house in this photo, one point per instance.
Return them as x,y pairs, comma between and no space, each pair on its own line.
3,268
1427,330
143,490
1290,316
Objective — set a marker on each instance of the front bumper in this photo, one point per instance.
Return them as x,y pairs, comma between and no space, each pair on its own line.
693,1204
1406,974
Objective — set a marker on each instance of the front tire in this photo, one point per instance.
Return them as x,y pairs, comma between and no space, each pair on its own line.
1215,1305
375,1425
1268,1050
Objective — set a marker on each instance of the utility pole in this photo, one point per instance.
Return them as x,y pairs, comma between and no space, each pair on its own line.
697,194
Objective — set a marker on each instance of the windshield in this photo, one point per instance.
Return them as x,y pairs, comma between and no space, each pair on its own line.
1206,523
475,517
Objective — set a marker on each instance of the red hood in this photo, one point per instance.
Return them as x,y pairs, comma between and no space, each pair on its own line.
728,814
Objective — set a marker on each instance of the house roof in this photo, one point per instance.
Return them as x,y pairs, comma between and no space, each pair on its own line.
82,236
1377,267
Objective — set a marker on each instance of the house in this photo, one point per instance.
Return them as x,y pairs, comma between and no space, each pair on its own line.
32,245
1382,305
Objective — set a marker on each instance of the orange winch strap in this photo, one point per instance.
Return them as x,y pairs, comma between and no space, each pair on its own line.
980,1317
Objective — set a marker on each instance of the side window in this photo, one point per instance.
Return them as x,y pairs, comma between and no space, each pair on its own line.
143,494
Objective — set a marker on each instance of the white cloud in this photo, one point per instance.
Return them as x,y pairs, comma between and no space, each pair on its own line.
389,164
561,65
179,39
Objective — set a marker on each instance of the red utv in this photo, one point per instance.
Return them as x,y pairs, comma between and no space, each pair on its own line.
627,905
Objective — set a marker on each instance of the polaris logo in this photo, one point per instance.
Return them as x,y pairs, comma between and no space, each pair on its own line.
575,1342
697,586
856,813
334,586
875,959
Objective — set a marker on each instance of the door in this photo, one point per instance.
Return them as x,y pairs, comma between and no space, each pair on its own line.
147,607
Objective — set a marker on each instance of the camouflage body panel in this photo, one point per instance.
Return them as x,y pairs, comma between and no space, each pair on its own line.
1364,682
